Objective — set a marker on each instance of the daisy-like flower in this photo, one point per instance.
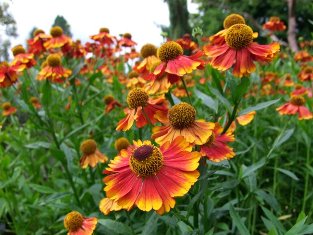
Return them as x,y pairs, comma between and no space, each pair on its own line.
8,109
9,74
181,121
216,149
306,73
303,56
126,41
104,37
121,143
107,205
274,24
187,44
149,177
91,155
301,90
141,108
36,44
135,81
53,70
288,82
21,58
58,39
296,105
76,50
35,102
77,224
111,103
175,63
239,51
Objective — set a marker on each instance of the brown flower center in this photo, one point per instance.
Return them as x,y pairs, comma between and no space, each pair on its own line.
56,31
73,221
137,98
169,51
6,105
38,31
274,19
34,100
108,99
121,143
19,49
88,147
104,30
133,74
233,19
148,50
182,115
239,36
127,35
297,100
146,160
54,60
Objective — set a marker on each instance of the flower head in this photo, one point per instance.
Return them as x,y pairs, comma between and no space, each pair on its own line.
296,105
8,74
22,59
121,143
58,39
8,109
77,224
274,24
91,155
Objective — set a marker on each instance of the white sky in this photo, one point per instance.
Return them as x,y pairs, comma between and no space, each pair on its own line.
137,17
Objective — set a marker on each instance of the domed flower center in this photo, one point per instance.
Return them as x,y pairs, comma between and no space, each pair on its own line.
148,50
210,140
274,19
239,36
308,70
137,98
34,100
146,160
37,32
121,143
169,51
19,49
133,74
6,105
233,19
54,60
182,115
56,31
73,221
297,100
88,147
127,35
104,30
108,99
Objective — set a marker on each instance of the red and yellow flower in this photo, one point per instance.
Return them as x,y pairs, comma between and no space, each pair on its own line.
296,105
36,44
126,41
104,37
91,155
181,121
9,74
246,118
187,44
303,56
306,73
22,59
111,103
35,102
274,24
107,205
121,143
239,51
77,224
58,39
216,148
150,177
8,109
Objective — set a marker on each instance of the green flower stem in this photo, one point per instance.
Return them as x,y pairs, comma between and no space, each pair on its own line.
306,179
232,116
169,97
185,86
80,113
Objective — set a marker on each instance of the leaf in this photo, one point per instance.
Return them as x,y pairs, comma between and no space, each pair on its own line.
253,168
115,227
151,224
37,145
46,93
274,221
258,106
268,198
237,221
207,100
41,188
240,89
221,98
281,138
216,77
184,228
289,173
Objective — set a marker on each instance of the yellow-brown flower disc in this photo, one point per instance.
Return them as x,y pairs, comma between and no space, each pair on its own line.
233,19
108,99
298,86
148,50
73,221
127,35
6,105
169,51
56,31
146,160
104,30
19,49
308,69
297,100
121,143
88,146
38,31
274,18
137,97
133,74
54,60
182,115
239,36
34,100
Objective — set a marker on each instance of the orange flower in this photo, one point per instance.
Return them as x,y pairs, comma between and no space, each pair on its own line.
245,119
91,155
121,143
239,51
107,205
216,148
288,82
175,63
8,74
187,44
141,108
301,90
303,56
104,37
181,121
295,106
8,109
135,81
274,24
36,44
58,39
126,41
306,73
22,59
149,177
54,70
111,103
158,86
35,102
77,224
76,50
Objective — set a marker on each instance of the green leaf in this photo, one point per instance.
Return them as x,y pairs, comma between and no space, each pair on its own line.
216,78
184,228
46,93
281,138
268,198
253,168
115,227
237,221
258,106
41,188
289,173
38,145
221,98
274,221
239,90
207,100
151,224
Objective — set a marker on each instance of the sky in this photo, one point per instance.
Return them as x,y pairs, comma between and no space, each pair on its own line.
140,18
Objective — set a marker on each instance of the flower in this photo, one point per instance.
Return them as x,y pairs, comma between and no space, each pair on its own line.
53,70
126,41
142,109
22,59
104,37
187,44
77,224
35,102
149,177
306,73
8,74
107,205
111,103
288,82
295,106
175,63
8,109
58,39
246,118
181,121
274,24
121,143
303,56
239,51
91,154
216,148
36,44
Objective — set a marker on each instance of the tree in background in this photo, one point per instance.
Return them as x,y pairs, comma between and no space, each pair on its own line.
8,26
62,22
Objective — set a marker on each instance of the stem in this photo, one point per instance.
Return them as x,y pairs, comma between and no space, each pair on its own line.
306,180
168,95
275,176
184,84
232,117
77,103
